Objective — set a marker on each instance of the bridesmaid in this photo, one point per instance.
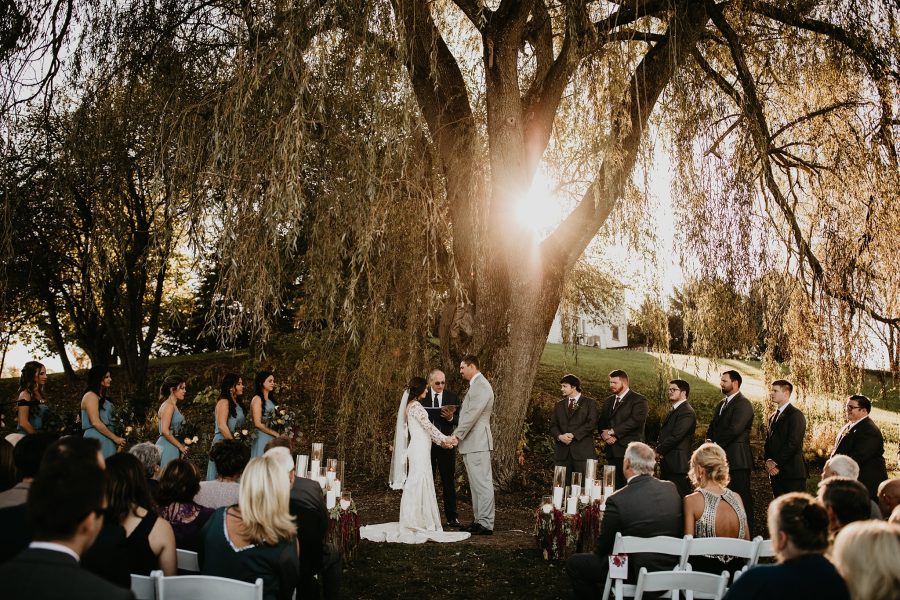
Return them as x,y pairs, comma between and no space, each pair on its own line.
170,419
31,407
97,411
229,415
262,406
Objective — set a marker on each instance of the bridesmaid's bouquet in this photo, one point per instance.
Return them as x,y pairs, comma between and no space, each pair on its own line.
188,435
281,420
242,434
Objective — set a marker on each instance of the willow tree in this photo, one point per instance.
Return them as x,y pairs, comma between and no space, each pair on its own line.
396,137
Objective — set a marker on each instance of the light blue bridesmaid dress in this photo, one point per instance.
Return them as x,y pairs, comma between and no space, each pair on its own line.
170,452
107,446
37,414
259,444
233,423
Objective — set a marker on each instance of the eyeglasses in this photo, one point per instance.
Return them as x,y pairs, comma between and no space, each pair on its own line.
674,389
439,383
851,407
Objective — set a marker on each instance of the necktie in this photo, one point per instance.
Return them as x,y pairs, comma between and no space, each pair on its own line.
724,406
437,400
616,403
571,405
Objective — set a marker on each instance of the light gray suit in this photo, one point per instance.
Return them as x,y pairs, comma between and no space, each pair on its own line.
475,446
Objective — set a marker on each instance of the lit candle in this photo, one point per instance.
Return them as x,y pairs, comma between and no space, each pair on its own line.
330,499
336,486
557,497
576,489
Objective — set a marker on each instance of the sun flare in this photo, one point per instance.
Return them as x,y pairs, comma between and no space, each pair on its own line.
540,210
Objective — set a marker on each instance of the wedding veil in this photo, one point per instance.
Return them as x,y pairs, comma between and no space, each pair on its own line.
398,457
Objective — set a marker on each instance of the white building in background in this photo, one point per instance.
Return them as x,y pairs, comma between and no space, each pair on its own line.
610,334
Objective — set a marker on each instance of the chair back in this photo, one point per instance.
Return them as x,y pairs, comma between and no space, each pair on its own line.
628,544
206,587
188,561
764,549
723,546
144,587
710,586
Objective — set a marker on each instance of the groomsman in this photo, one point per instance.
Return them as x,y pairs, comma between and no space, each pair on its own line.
861,440
622,421
572,425
730,428
676,436
784,442
442,407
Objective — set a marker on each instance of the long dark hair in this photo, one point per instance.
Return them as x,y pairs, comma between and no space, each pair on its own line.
127,485
26,379
229,381
258,386
169,385
95,377
416,386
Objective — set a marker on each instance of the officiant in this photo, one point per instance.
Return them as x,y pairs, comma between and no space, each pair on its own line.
442,407
572,425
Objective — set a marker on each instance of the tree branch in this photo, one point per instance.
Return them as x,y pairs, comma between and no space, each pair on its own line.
476,11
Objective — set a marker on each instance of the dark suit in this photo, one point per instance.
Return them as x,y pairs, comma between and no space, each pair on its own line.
444,458
627,421
784,446
676,437
808,576
730,428
47,574
581,423
645,507
316,557
864,444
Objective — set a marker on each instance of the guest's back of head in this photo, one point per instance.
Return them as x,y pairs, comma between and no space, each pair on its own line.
867,553
127,486
841,465
802,520
29,453
179,482
264,498
69,487
641,458
150,456
846,501
231,457
709,463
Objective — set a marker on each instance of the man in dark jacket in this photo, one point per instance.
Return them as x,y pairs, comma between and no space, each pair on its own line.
572,427
676,437
730,428
784,442
442,406
645,507
861,440
622,421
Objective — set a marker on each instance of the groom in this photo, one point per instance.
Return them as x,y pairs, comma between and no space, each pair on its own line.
476,444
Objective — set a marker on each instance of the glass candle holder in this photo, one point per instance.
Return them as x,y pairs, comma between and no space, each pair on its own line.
547,504
590,470
302,465
609,480
331,469
346,499
576,484
559,477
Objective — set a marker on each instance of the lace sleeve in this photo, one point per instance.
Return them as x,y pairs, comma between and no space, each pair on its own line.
417,412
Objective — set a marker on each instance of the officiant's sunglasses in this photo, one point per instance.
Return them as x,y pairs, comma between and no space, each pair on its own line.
439,383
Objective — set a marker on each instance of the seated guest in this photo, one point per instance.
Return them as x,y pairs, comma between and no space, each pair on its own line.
150,539
713,510
319,561
231,457
65,511
178,484
7,466
846,501
798,527
257,538
841,465
888,496
866,554
645,507
27,456
150,456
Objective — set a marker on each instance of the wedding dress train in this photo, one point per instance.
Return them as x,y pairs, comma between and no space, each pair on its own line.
420,520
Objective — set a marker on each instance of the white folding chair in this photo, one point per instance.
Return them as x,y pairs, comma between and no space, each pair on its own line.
711,586
188,561
721,546
144,587
764,549
206,587
627,544
740,572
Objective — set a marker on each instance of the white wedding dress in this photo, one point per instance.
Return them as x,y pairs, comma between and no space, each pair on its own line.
420,520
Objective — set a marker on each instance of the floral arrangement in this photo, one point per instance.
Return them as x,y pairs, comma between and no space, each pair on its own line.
243,434
591,517
343,528
557,534
285,422
187,434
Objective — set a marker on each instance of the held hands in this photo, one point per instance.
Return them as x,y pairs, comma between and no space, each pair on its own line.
450,442
566,438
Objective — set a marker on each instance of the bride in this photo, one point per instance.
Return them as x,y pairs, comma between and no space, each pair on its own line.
420,520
